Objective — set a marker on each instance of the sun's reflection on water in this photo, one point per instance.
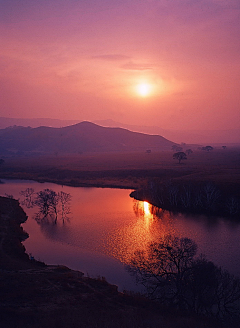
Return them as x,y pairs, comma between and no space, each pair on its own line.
148,216
143,211
150,224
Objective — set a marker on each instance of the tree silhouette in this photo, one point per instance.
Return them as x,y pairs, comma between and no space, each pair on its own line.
179,156
163,266
174,276
47,201
207,148
189,151
176,148
28,195
51,203
64,200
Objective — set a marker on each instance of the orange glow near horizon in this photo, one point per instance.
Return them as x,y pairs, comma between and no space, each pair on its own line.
77,60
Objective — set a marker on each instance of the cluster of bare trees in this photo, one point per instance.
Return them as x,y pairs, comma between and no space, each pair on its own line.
199,198
173,275
233,205
50,204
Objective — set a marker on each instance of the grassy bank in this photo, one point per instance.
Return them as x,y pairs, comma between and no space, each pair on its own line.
127,170
154,176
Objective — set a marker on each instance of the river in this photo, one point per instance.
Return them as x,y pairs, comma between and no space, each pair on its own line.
104,228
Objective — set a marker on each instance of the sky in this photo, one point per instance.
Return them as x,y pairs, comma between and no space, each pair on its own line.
168,63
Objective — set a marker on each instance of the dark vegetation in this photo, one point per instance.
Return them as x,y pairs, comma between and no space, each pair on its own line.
175,277
51,206
207,148
11,233
197,198
34,295
180,155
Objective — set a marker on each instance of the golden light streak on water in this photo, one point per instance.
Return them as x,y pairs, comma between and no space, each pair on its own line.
150,225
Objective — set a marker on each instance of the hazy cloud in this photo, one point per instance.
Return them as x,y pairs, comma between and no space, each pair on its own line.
83,60
114,57
137,67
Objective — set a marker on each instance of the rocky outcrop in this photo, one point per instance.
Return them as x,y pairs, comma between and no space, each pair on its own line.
12,252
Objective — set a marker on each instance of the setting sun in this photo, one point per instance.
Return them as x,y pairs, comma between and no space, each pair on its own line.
144,89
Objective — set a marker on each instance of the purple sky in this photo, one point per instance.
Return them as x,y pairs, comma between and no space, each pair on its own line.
85,60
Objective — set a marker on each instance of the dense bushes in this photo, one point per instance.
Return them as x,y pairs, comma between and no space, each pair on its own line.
205,198
173,275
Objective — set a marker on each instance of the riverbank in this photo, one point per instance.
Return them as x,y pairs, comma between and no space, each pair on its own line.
126,170
206,183
37,295
196,198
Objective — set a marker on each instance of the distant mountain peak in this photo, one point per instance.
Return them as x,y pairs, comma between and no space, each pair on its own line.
81,137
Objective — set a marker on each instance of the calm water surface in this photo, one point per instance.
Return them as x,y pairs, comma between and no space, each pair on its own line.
106,226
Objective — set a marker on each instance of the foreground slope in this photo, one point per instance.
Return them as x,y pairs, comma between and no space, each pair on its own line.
35,295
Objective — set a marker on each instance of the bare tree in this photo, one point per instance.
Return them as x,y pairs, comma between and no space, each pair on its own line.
51,204
47,201
162,268
186,196
202,285
172,275
210,195
232,205
64,200
197,199
213,291
160,197
28,195
172,194
228,294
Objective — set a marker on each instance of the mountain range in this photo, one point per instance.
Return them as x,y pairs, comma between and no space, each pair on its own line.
228,136
189,136
77,138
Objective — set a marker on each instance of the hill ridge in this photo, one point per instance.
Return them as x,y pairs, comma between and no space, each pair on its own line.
81,137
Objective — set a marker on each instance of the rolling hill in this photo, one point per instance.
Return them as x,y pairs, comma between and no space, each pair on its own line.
228,136
78,138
